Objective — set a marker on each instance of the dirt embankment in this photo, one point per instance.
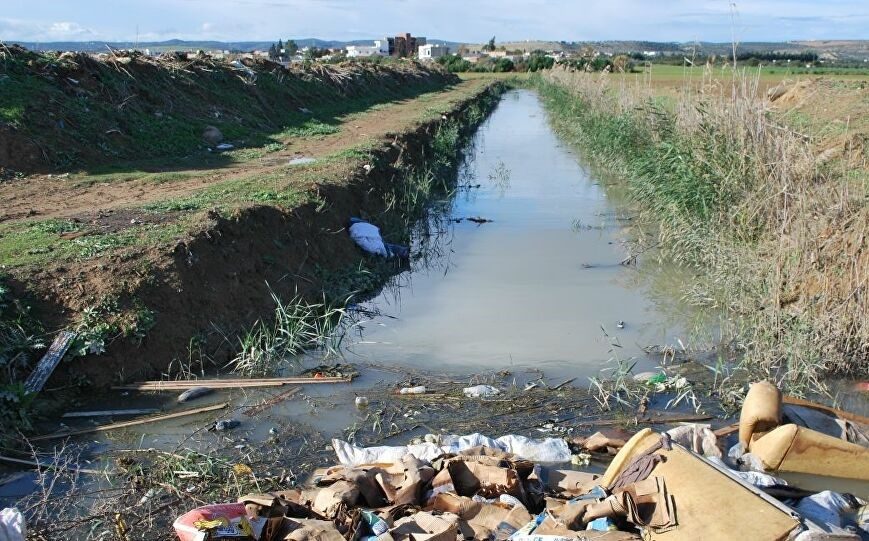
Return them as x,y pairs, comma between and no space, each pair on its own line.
61,111
216,282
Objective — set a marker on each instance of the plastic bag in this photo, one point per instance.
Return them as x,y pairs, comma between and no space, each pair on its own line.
479,391
367,236
546,450
12,526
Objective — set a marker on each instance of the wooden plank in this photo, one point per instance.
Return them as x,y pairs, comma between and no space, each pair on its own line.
109,413
134,422
659,419
726,430
226,383
259,408
49,362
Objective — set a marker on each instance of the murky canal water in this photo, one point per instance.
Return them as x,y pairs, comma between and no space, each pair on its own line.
538,287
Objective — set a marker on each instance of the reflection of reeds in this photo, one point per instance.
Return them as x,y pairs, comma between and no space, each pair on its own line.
780,238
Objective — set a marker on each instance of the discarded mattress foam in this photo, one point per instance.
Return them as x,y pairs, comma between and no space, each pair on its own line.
545,450
367,236
792,448
710,502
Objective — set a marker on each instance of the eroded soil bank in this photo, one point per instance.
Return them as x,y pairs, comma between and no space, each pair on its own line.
171,286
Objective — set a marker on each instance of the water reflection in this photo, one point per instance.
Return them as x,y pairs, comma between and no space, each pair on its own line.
541,285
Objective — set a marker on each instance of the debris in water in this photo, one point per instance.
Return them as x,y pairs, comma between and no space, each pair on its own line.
224,424
480,391
620,324
194,393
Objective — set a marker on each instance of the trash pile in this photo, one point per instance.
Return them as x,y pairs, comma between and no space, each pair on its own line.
676,485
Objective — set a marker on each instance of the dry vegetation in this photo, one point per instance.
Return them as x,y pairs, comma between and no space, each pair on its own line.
775,218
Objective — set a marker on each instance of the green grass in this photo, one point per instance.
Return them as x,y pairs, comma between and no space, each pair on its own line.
145,111
37,243
309,128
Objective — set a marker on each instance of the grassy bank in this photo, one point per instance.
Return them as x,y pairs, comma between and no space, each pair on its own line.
72,110
776,235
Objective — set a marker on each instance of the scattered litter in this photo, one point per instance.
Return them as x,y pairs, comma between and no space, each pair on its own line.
224,146
37,379
419,389
361,401
480,391
620,324
224,424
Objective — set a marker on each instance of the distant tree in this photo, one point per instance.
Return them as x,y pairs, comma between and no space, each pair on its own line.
490,46
291,47
273,52
280,46
503,65
454,63
539,61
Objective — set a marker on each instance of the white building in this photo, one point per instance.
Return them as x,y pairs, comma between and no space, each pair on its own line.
380,48
432,51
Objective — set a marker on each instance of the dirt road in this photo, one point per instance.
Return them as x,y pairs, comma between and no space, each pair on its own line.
43,197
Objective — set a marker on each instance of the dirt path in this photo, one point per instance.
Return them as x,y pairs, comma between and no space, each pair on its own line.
44,196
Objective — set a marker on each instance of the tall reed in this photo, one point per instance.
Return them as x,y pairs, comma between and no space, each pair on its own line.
780,238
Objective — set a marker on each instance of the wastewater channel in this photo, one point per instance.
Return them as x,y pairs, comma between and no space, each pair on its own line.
537,290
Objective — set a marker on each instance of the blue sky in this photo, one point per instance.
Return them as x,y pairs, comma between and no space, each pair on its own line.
454,20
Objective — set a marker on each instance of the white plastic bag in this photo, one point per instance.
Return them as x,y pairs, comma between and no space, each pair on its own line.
546,450
479,391
12,526
367,236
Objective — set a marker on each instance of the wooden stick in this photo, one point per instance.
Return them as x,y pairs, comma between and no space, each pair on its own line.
226,383
107,413
134,422
650,420
726,430
48,466
259,408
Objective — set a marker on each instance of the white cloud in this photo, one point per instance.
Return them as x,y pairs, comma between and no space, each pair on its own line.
237,20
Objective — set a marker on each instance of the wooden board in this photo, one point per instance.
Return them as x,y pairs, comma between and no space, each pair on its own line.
226,383
109,413
49,362
134,422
